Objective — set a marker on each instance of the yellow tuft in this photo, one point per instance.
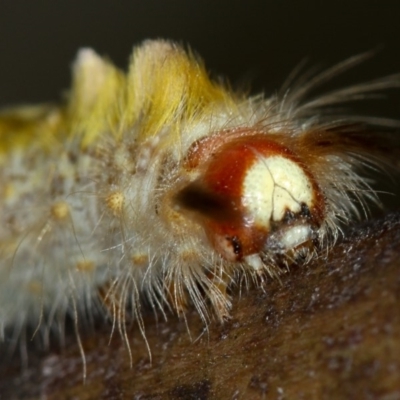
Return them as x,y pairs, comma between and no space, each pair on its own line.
95,98
165,90
29,126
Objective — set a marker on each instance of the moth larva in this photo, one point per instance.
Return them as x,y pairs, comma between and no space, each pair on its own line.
163,186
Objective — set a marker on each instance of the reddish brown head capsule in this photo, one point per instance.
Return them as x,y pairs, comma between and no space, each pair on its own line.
254,195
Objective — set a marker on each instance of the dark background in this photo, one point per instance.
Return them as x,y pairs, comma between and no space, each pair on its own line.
256,41
253,42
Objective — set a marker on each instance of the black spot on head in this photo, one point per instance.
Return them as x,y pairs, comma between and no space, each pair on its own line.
237,246
305,211
289,216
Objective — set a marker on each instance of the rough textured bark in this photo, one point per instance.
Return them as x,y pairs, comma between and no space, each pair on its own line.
330,330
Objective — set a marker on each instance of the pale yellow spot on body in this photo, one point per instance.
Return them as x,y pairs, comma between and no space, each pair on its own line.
115,202
8,247
140,259
85,266
8,191
60,210
34,287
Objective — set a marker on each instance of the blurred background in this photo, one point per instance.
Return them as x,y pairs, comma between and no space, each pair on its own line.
254,43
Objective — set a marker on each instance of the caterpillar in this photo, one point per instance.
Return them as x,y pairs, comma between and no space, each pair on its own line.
163,187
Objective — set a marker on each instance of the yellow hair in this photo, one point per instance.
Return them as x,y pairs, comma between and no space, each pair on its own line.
165,88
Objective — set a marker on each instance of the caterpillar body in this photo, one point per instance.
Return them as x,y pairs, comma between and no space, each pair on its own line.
161,186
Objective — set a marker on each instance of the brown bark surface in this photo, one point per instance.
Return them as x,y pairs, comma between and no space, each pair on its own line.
330,330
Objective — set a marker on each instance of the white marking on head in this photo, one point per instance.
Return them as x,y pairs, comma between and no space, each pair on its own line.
295,236
274,185
254,261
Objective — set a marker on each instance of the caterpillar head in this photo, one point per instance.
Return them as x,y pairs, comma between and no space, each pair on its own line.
253,196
